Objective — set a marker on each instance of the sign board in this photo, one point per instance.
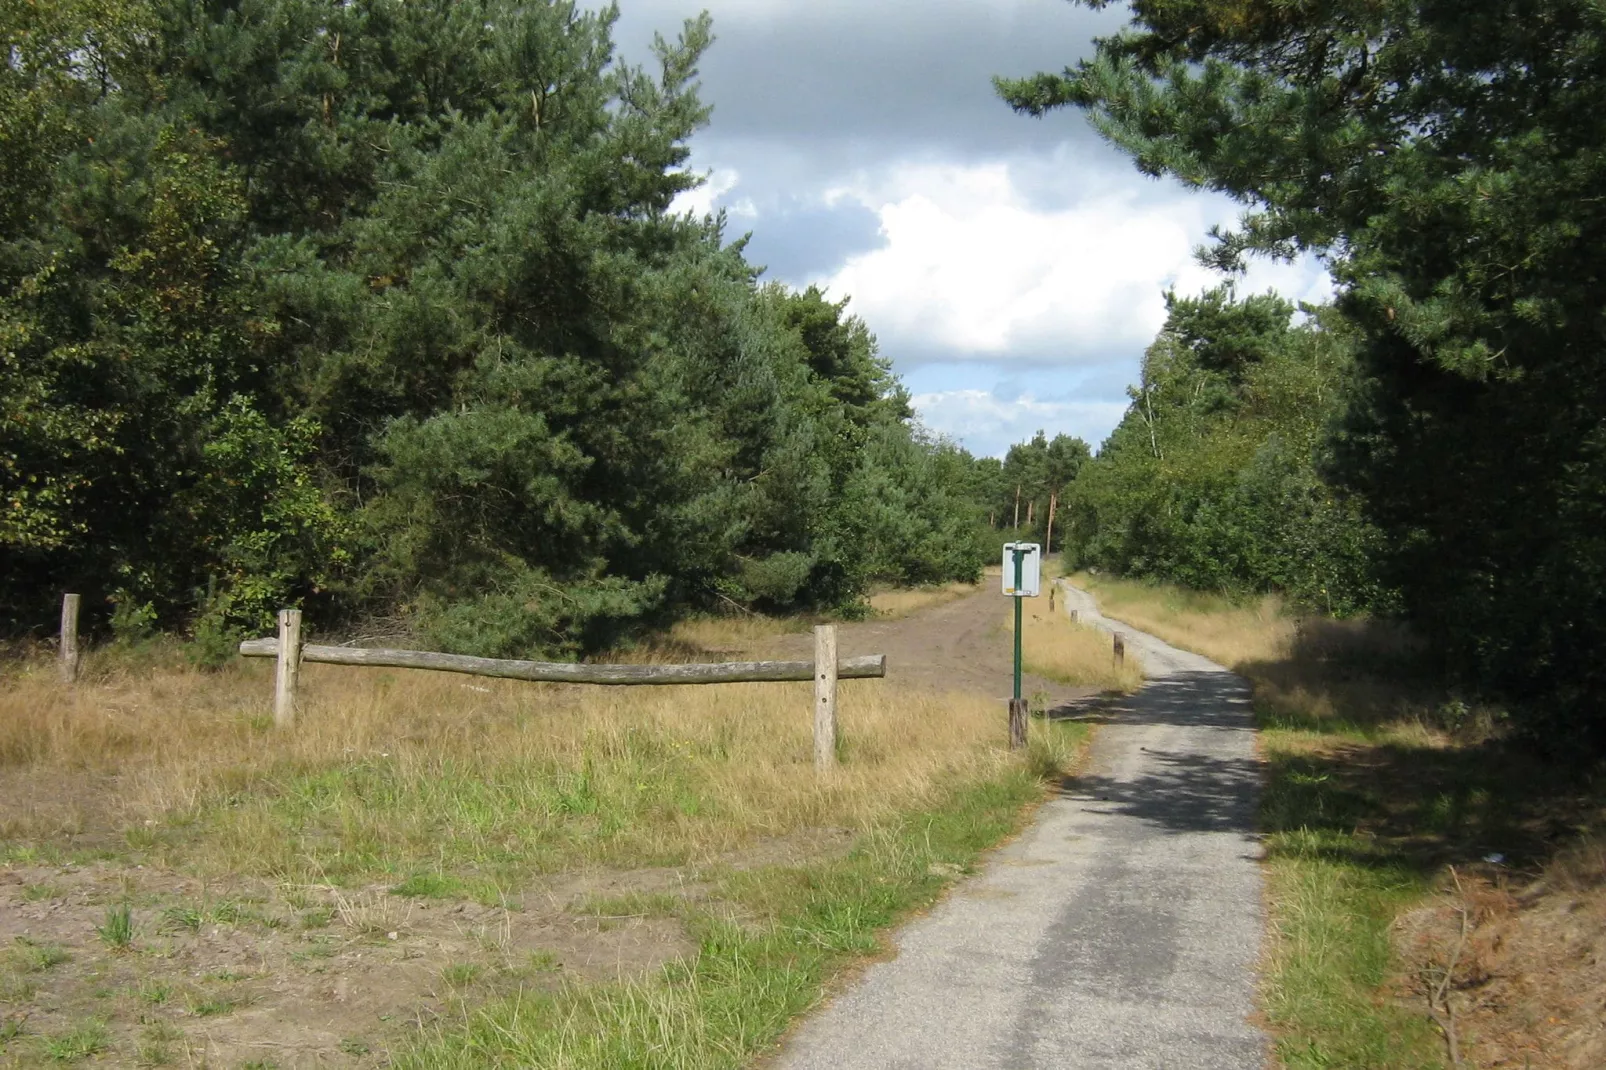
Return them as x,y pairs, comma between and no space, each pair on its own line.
1031,569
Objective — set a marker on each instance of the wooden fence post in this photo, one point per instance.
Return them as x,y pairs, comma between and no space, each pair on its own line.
824,697
1017,723
1120,649
1073,616
67,651
289,668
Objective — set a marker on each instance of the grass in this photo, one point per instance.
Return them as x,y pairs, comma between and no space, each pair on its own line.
723,634
746,982
1378,780
117,931
1055,647
1228,632
902,601
80,1042
393,774
401,788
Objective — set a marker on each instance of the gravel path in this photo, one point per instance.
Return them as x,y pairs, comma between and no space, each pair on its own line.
1122,928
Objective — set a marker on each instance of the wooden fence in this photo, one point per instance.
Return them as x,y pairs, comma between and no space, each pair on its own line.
825,670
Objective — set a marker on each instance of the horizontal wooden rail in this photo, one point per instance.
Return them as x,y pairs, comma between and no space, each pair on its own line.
729,672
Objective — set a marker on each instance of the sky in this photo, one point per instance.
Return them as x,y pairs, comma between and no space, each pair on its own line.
1013,269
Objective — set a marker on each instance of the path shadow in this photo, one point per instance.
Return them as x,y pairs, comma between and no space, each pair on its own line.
1180,790
1184,699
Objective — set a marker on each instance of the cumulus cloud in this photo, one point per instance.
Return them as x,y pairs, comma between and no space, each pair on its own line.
1012,269
971,268
988,424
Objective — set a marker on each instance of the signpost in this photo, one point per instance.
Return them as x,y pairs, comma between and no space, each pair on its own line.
1023,572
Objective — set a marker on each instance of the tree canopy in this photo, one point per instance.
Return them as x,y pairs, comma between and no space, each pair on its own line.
381,307
1445,160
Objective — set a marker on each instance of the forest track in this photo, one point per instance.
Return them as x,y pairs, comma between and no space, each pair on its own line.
963,645
1122,929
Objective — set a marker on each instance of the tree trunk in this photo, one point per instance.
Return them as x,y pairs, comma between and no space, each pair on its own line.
1017,505
1029,504
1048,542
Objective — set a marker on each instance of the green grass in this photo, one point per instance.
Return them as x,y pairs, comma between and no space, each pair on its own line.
80,1042
430,886
117,931
1335,893
747,981
36,957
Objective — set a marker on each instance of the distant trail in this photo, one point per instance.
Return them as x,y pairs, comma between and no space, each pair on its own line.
963,645
1121,930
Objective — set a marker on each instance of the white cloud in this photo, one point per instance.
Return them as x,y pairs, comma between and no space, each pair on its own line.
702,200
988,424
973,269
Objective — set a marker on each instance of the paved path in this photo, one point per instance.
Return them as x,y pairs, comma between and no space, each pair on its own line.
1121,930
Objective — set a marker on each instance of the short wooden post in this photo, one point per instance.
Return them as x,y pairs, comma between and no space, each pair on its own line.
1073,616
1017,723
1051,598
289,668
824,697
67,651
1120,649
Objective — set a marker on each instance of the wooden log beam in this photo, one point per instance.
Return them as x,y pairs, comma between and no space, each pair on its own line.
870,666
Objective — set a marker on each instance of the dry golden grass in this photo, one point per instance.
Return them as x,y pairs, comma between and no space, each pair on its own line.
1055,647
900,602
1223,631
388,768
727,634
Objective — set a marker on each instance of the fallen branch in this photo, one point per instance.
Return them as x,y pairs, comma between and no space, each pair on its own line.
1439,1006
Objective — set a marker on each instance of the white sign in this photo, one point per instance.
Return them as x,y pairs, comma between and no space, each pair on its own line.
1031,569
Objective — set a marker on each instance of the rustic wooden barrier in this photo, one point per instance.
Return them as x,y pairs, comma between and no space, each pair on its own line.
870,666
67,649
290,653
825,673
1120,648
825,670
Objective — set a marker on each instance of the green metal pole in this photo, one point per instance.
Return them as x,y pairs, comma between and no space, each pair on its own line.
1018,555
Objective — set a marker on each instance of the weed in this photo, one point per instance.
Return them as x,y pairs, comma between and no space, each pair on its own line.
79,1042
117,931
430,886
317,917
155,992
34,893
38,957
181,919
155,1053
462,974
355,1046
16,990
212,1006
10,1029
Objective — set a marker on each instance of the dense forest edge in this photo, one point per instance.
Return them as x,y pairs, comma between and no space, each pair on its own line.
1431,447
381,309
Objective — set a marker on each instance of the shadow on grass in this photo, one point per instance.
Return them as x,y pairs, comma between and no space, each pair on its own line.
1367,746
